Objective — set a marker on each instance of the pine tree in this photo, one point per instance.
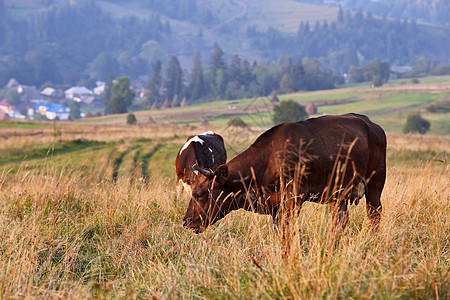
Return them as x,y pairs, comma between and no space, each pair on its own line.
107,92
154,84
235,69
298,74
246,74
173,82
217,61
197,84
175,102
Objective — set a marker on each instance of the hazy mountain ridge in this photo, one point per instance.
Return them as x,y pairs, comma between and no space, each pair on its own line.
75,35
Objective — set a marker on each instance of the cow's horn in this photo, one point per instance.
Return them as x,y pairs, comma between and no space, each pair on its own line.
206,173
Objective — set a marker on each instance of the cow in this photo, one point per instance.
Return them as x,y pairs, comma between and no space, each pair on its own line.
206,150
329,159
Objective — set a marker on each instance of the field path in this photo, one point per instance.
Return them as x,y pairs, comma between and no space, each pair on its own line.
408,107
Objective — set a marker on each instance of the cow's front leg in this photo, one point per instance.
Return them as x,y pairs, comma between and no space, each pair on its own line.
284,217
340,220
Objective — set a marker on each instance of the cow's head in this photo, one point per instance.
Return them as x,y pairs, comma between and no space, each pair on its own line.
211,199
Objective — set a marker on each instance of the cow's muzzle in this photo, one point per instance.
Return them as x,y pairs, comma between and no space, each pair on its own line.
188,224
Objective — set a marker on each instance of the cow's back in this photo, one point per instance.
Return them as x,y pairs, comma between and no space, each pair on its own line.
317,144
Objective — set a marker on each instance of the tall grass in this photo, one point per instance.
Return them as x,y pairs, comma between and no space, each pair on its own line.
64,233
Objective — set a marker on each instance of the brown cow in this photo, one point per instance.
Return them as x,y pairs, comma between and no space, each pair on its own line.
330,159
206,150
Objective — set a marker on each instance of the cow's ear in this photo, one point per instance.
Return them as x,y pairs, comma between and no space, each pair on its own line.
221,174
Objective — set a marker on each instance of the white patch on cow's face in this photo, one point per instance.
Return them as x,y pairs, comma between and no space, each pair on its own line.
194,139
207,132
212,154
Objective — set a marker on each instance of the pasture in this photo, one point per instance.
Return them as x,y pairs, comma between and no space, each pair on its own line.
93,212
90,209
388,106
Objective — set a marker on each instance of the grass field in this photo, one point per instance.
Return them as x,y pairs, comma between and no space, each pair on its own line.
90,210
388,105
99,217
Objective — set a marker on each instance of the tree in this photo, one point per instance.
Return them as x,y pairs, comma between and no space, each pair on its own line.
288,111
217,61
173,82
44,68
371,69
235,69
376,81
107,92
154,84
121,96
236,122
286,84
197,83
152,51
415,123
102,65
74,110
131,119
12,97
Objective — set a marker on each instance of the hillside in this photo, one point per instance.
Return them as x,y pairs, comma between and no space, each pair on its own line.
230,27
388,105
69,38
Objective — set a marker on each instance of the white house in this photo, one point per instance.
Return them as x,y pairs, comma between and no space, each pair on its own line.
77,93
48,92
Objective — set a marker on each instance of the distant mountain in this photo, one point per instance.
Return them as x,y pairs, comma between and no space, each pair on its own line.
431,11
63,41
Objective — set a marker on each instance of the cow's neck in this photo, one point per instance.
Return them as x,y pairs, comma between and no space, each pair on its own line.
245,172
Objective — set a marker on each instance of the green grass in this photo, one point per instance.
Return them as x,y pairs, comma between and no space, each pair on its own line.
47,150
70,230
20,124
388,102
390,112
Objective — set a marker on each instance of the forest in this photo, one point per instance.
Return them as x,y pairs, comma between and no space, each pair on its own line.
79,43
354,39
434,11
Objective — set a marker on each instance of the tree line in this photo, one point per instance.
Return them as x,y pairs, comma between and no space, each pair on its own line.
69,42
239,78
79,43
354,39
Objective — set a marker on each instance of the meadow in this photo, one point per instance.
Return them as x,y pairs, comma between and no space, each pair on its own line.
91,210
94,212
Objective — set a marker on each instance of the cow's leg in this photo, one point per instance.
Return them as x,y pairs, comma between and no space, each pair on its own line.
373,203
287,213
340,220
374,187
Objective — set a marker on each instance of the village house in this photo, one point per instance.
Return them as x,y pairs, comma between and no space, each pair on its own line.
48,92
77,93
10,112
53,110
100,88
4,116
6,107
27,92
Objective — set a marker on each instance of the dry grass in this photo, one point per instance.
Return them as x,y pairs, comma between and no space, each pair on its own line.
64,234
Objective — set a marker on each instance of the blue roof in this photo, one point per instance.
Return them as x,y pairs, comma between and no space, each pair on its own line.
52,107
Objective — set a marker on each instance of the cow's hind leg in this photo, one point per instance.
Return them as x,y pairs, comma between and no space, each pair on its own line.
373,195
